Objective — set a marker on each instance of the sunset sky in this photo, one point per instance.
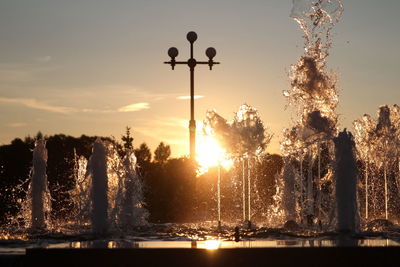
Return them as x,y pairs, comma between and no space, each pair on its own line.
94,67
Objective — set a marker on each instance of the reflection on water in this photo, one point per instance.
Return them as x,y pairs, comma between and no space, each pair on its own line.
209,244
216,243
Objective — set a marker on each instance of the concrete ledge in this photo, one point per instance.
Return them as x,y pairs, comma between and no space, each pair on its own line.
329,256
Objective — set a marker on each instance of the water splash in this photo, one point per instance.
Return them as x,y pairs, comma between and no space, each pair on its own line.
210,153
244,139
129,204
288,201
97,169
36,207
215,125
244,136
377,148
252,137
314,94
119,199
80,194
276,214
316,18
313,88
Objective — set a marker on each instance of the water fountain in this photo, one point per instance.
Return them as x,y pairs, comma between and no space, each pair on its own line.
289,201
251,140
308,145
38,193
377,148
97,167
346,182
132,213
244,139
108,191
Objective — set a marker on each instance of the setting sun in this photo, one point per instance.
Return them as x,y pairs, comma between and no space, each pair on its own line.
211,153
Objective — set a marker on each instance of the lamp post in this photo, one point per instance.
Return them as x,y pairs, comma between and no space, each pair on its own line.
191,62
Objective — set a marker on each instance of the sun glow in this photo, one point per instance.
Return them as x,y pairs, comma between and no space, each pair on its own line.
211,153
212,244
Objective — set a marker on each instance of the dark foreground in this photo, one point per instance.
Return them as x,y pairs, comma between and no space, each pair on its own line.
327,256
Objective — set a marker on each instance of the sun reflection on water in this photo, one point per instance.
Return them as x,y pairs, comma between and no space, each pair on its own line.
212,244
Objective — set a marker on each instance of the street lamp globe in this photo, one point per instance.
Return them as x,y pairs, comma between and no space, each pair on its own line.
211,52
173,52
191,37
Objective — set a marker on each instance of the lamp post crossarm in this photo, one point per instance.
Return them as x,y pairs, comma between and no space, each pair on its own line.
176,62
206,62
186,62
209,63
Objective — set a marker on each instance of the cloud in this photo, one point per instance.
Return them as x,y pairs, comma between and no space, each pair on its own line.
91,110
185,97
134,107
11,74
16,124
43,59
33,103
16,73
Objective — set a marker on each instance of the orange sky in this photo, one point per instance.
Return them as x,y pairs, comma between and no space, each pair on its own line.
95,67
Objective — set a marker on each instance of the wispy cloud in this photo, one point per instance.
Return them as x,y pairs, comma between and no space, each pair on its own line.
186,97
91,110
43,59
16,124
33,103
134,107
125,90
12,74
15,73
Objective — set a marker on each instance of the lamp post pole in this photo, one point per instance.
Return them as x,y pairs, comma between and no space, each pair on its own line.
191,62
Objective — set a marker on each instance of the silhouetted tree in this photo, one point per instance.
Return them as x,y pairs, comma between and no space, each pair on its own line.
180,180
170,185
162,153
170,190
15,165
143,154
60,167
127,139
266,169
143,159
39,136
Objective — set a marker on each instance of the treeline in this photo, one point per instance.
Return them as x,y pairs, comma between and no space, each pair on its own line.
172,190
16,165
